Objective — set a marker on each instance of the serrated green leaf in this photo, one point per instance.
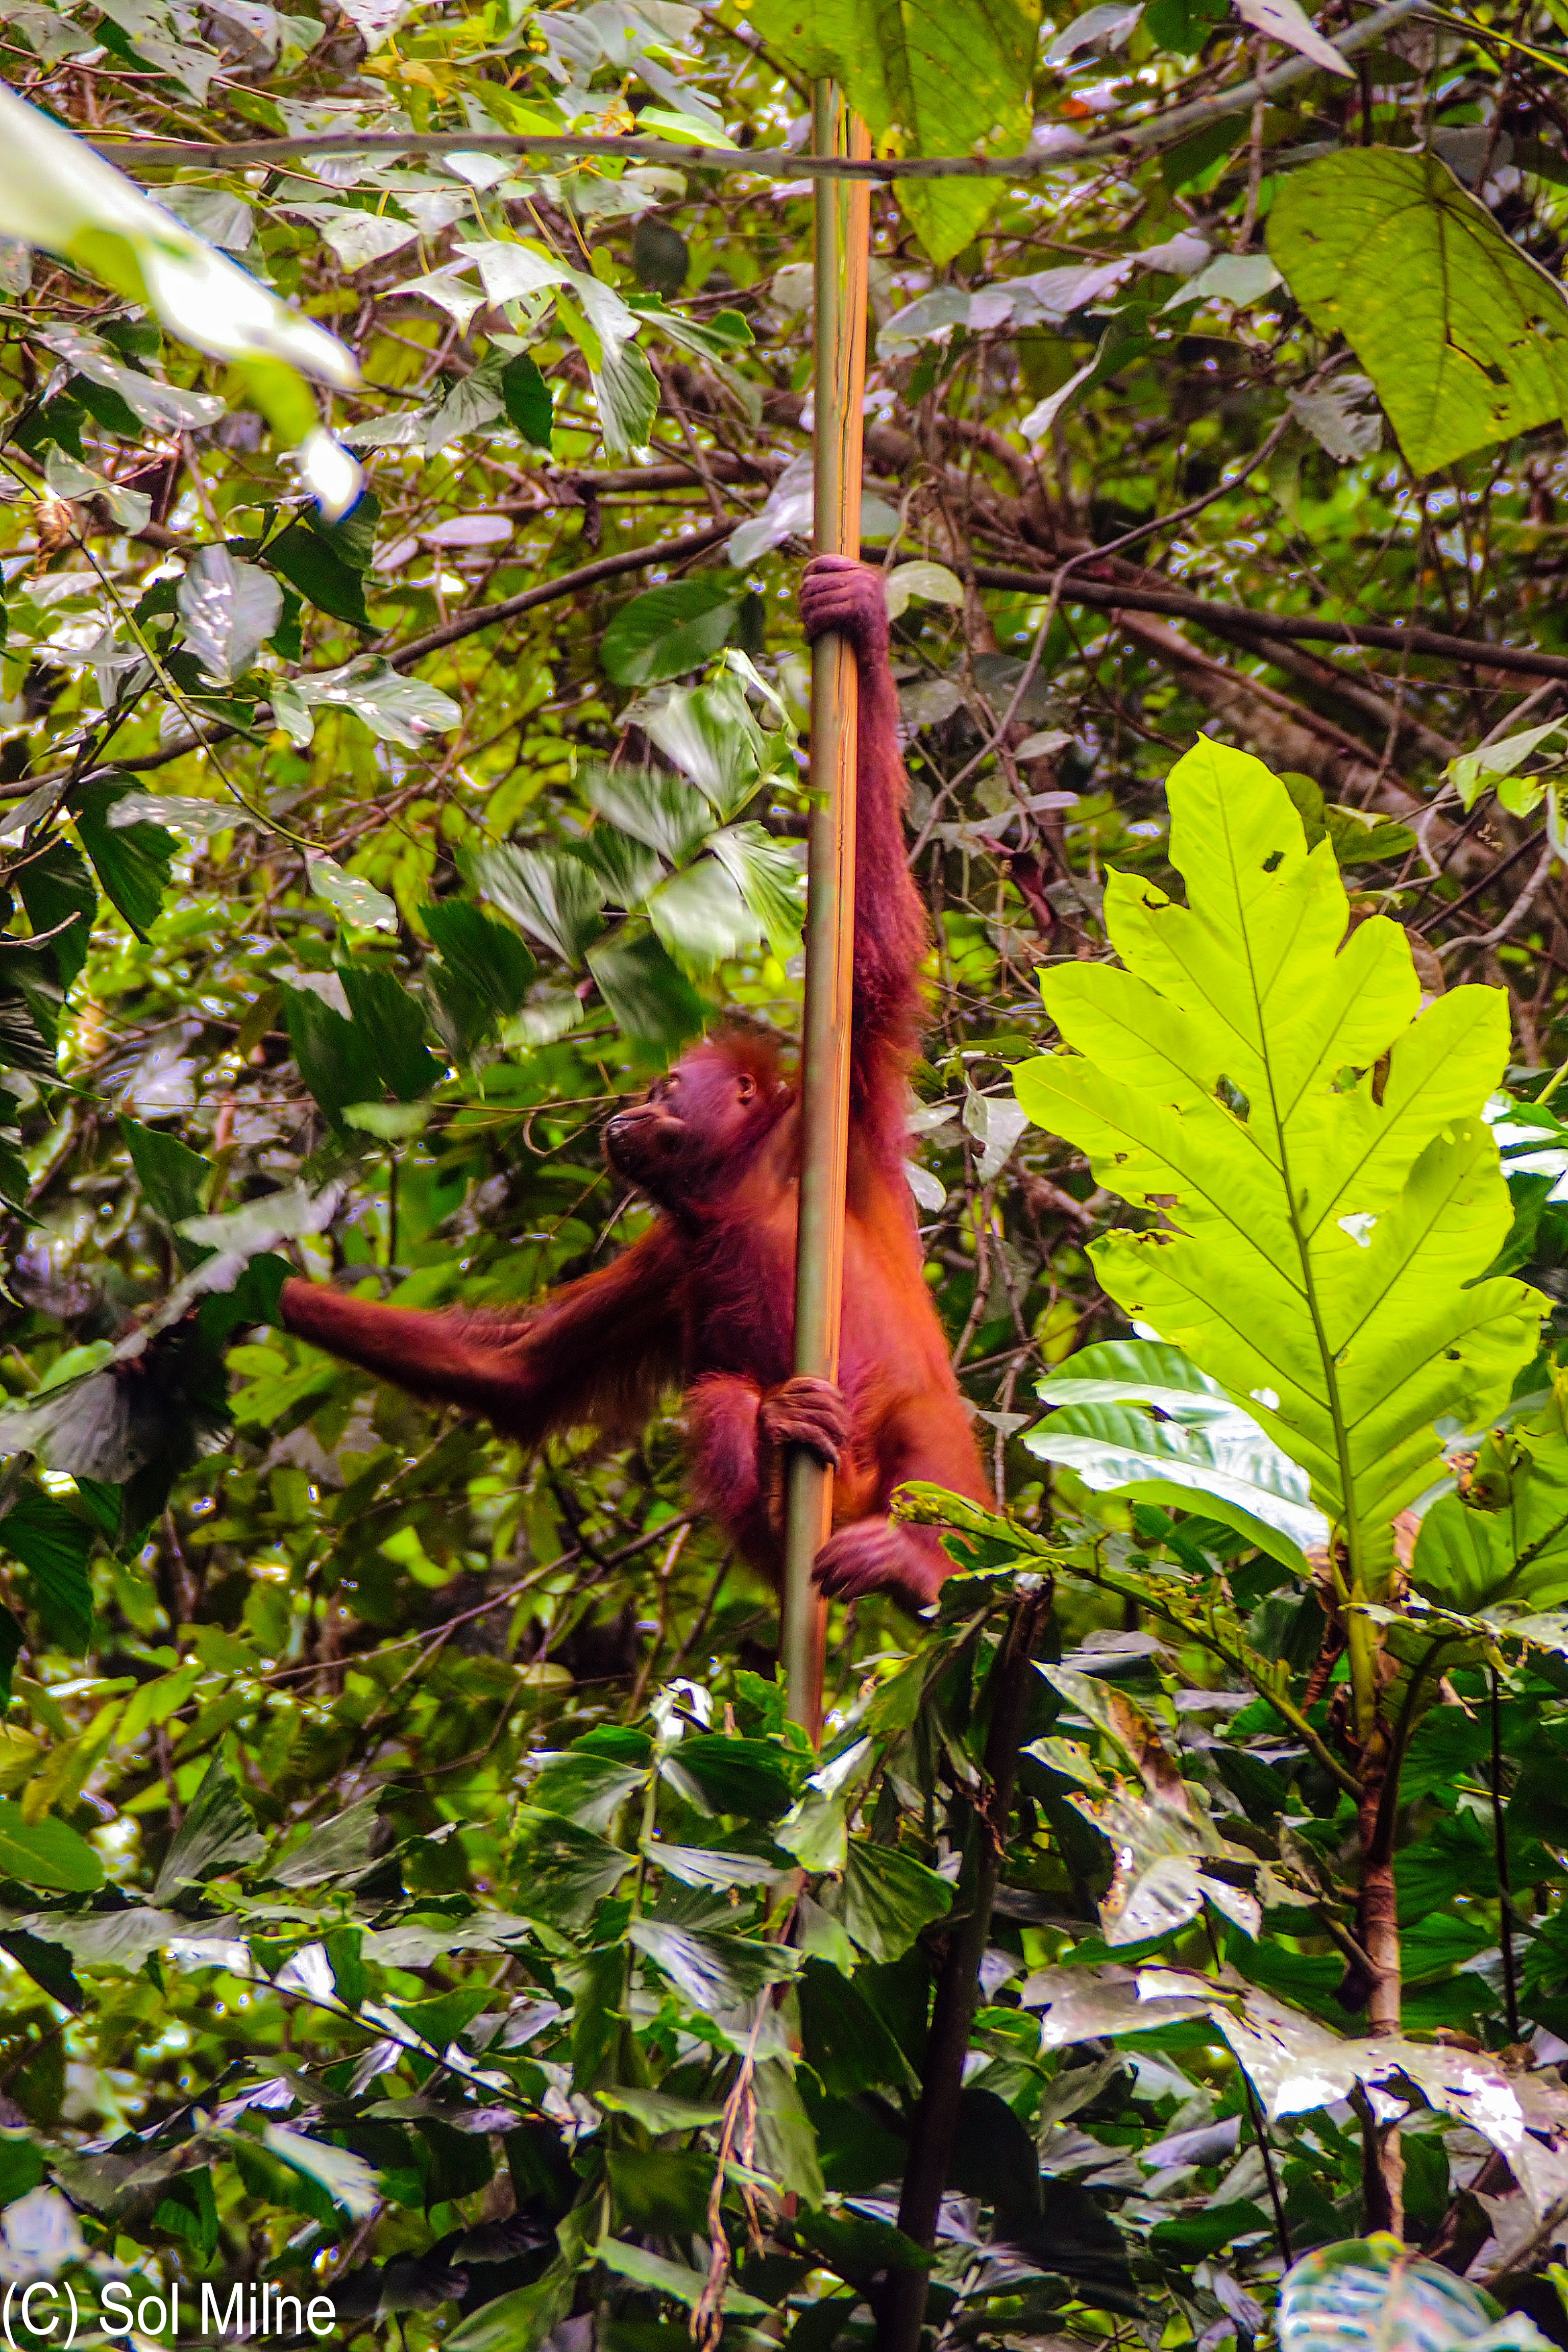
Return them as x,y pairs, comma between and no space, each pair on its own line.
649,995
653,806
54,1546
769,877
217,1836
718,1974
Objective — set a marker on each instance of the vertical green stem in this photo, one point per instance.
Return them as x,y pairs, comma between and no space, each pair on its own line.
899,2303
1504,1882
843,225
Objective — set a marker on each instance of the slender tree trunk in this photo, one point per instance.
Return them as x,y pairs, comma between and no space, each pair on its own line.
900,2305
1383,2161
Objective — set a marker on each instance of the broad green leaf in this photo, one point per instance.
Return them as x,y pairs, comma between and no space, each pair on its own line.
660,2191
54,1546
586,1788
56,888
1133,1417
217,1836
554,896
656,2110
318,573
786,2143
484,957
955,80
673,2279
520,2321
45,1852
229,609
334,1056
653,806
769,875
172,1178
1503,1544
933,583
718,1974
627,869
701,917
392,1023
1376,2294
132,862
696,1865
743,1777
527,400
1465,337
626,390
1472,771
561,1872
709,733
399,709
334,1849
671,630
649,995
347,2179
888,1898
1324,1222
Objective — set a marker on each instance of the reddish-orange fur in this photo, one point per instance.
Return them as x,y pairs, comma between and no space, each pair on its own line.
706,1297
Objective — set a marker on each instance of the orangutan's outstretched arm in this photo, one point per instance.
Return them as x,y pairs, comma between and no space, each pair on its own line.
597,1352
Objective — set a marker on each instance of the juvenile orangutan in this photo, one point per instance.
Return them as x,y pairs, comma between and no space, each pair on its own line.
705,1299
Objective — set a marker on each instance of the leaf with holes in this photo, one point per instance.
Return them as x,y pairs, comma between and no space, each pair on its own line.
1324,1196
1465,337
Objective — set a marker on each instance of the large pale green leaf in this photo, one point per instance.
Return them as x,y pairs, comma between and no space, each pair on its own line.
709,731
701,917
1322,1191
554,896
769,878
1134,1417
653,806
1464,336
953,80
1374,2294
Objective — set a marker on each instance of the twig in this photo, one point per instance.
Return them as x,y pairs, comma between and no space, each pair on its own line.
768,163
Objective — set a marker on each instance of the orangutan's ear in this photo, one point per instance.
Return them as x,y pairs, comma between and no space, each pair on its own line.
748,1086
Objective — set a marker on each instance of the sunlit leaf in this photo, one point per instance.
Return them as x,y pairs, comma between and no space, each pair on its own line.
1465,337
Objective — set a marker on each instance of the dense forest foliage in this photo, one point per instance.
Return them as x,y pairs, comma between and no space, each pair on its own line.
411,1892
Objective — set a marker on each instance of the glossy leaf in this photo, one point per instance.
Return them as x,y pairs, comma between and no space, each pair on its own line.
1134,1417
